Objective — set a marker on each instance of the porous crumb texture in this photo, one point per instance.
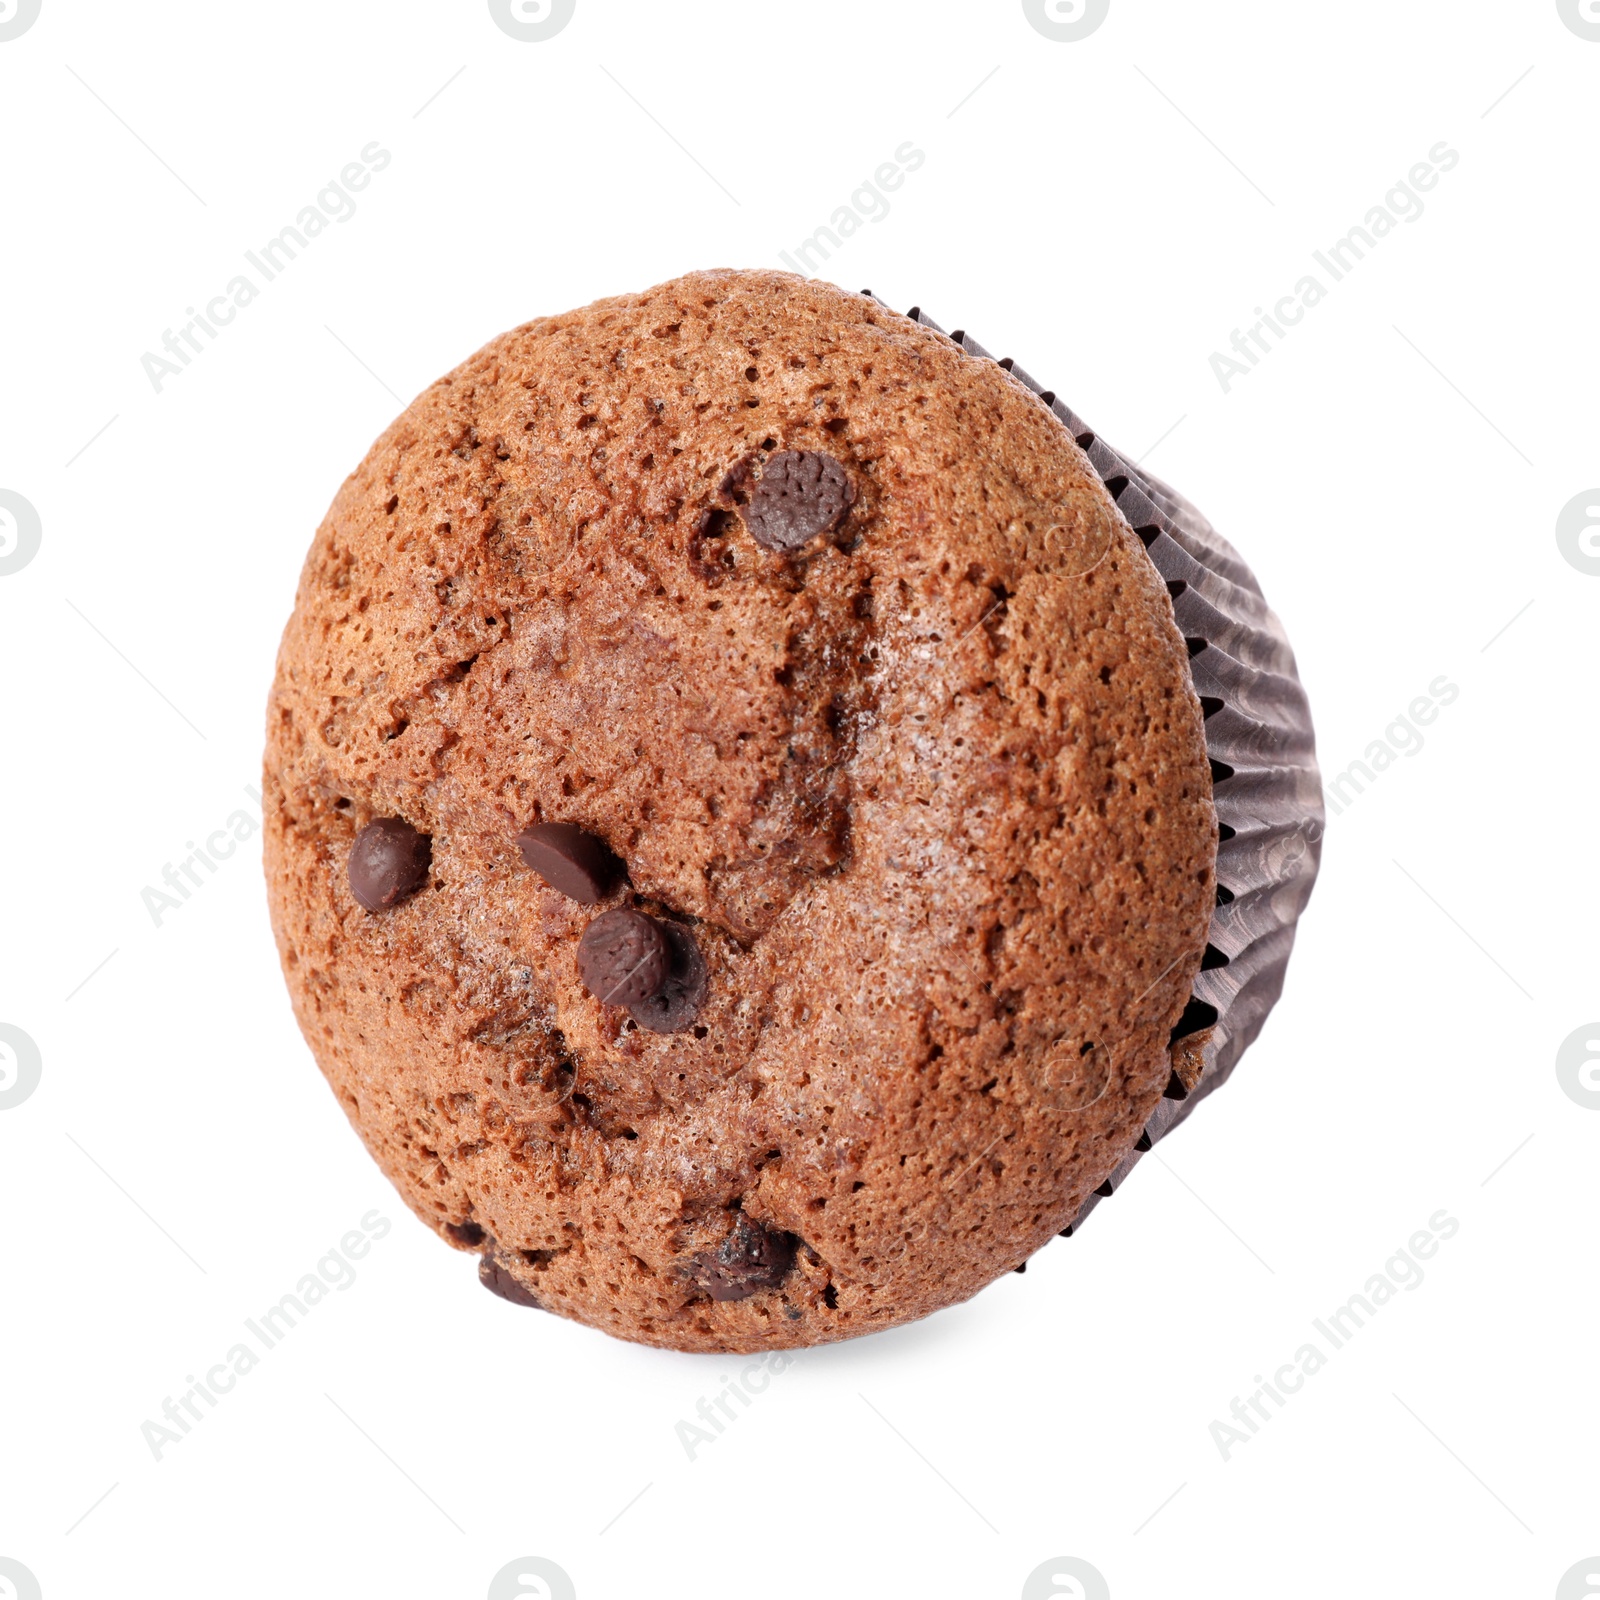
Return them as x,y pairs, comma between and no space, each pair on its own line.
1265,784
930,793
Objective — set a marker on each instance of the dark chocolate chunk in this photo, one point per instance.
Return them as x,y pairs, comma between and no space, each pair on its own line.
736,480
388,861
678,1002
802,493
750,1259
467,1233
623,957
576,863
496,1277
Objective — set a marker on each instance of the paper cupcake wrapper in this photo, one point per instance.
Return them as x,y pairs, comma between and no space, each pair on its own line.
1266,787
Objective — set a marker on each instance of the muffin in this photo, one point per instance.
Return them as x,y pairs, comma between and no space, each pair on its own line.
743,791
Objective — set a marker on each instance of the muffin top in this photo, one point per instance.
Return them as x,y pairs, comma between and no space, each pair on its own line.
827,644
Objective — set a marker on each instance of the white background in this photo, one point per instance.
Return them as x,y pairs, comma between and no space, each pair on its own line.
1393,471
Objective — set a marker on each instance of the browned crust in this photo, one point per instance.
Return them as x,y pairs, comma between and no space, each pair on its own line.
932,795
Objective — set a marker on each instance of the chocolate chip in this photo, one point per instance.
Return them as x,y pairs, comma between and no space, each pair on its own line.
737,479
467,1233
683,992
802,493
496,1277
576,863
750,1259
623,957
388,861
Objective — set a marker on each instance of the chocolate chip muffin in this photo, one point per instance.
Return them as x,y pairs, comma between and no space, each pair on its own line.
740,830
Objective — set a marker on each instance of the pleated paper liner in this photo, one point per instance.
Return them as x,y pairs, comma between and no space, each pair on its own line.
1266,787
